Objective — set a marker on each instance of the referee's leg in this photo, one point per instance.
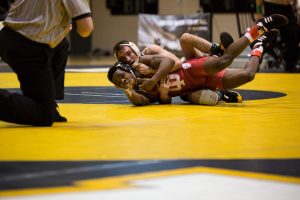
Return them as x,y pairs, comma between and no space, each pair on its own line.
36,106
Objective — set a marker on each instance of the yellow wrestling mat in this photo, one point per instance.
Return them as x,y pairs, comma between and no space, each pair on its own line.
264,130
253,129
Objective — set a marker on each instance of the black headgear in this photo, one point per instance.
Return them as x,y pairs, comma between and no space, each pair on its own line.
124,67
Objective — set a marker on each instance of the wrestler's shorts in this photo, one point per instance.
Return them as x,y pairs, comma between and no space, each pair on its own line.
196,66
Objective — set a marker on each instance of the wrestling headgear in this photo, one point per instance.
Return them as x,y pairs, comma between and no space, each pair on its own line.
124,67
133,47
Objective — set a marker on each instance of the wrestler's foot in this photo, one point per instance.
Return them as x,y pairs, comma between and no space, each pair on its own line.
272,21
230,96
265,40
225,40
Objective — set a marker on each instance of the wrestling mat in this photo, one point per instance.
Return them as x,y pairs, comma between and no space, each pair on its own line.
110,149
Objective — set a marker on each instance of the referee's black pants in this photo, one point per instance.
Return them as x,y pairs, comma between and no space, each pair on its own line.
40,71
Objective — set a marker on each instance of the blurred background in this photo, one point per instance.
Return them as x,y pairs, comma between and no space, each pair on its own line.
117,20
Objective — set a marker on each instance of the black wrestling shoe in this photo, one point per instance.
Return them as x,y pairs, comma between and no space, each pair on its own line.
272,21
219,49
58,117
265,40
226,40
230,96
184,97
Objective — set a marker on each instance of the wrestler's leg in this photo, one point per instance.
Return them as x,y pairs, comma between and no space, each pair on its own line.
202,97
192,46
216,64
237,77
211,97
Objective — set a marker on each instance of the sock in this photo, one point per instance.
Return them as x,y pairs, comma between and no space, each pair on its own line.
257,52
214,49
253,33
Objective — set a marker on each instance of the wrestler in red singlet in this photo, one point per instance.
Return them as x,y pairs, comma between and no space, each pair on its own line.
192,77
189,78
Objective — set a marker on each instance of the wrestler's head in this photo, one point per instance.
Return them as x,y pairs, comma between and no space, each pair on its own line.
126,52
121,75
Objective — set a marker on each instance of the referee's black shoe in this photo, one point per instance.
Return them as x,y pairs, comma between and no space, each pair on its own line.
58,117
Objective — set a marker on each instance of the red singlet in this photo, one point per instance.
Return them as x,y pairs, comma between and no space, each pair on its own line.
192,77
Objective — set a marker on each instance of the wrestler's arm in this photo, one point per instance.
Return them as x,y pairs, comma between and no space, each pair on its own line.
141,100
143,69
156,49
161,63
136,98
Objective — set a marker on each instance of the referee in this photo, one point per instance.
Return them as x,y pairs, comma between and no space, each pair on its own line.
33,43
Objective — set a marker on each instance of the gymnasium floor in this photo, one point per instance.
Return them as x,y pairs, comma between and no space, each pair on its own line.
111,150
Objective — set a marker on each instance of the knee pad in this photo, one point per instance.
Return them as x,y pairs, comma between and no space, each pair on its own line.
208,97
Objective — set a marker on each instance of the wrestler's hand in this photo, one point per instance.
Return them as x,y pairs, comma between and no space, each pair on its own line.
148,84
163,92
143,69
129,88
164,86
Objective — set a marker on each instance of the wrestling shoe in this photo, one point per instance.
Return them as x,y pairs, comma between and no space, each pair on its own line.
225,40
230,96
265,40
272,21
